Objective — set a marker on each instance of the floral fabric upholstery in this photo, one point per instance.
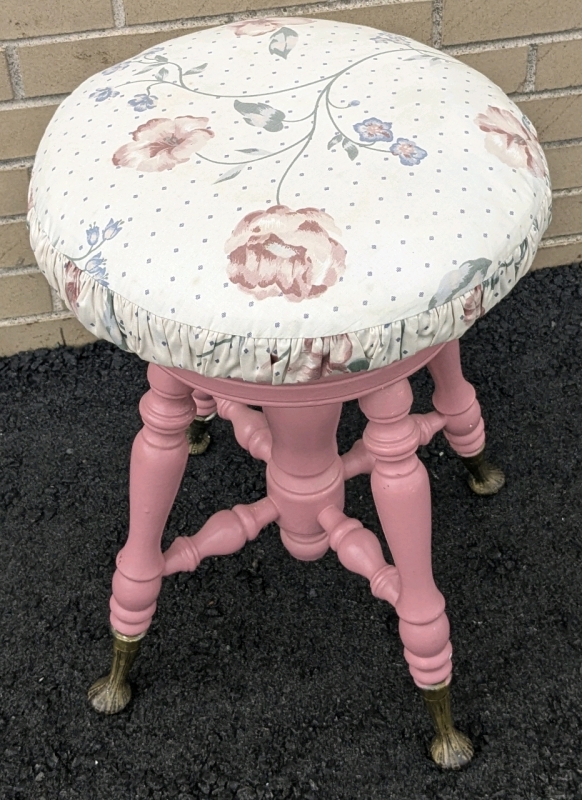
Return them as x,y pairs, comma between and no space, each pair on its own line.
282,199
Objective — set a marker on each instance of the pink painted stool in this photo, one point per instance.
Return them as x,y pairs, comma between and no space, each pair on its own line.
290,213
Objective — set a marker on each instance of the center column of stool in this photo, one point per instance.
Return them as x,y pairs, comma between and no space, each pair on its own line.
304,474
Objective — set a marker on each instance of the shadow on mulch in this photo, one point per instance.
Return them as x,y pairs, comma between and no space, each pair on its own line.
263,677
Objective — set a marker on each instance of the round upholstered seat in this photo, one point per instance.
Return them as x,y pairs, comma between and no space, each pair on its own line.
282,199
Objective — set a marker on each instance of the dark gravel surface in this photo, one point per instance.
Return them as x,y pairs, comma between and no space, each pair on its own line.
263,677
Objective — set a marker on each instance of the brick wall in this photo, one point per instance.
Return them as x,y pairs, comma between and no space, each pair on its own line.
531,48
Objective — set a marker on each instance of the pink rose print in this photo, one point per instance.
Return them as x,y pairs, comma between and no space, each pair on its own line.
473,305
316,361
162,143
72,284
511,141
285,252
258,27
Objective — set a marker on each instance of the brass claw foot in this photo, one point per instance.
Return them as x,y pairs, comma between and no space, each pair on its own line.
112,692
198,436
483,479
450,749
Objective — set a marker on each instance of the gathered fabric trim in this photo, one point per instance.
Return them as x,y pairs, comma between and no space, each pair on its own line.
272,360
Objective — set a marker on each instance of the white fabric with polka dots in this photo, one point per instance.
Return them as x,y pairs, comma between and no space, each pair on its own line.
281,199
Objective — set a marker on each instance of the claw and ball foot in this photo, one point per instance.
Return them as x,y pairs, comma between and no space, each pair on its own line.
112,692
483,478
450,749
198,436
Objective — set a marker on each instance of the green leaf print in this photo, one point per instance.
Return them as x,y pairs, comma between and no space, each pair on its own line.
261,115
282,42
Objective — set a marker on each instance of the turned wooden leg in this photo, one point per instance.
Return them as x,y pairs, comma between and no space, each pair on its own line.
455,398
198,436
402,495
158,460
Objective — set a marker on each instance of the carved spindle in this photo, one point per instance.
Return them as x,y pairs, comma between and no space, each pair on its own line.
360,552
251,429
357,461
455,398
428,425
224,533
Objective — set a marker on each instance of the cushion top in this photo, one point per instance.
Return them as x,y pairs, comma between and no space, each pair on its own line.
278,199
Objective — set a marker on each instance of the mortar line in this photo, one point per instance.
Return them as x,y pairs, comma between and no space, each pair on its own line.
565,143
118,10
33,102
207,21
6,220
16,163
28,269
514,41
557,241
14,71
572,191
546,94
529,84
341,5
437,23
49,316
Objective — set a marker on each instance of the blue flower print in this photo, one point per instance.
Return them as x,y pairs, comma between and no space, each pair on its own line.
143,102
374,130
112,229
115,68
95,268
96,237
408,152
92,234
103,94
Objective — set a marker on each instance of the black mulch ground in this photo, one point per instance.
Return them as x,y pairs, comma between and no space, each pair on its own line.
263,677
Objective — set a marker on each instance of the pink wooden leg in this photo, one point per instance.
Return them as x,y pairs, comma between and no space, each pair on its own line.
158,460
402,494
455,398
304,474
